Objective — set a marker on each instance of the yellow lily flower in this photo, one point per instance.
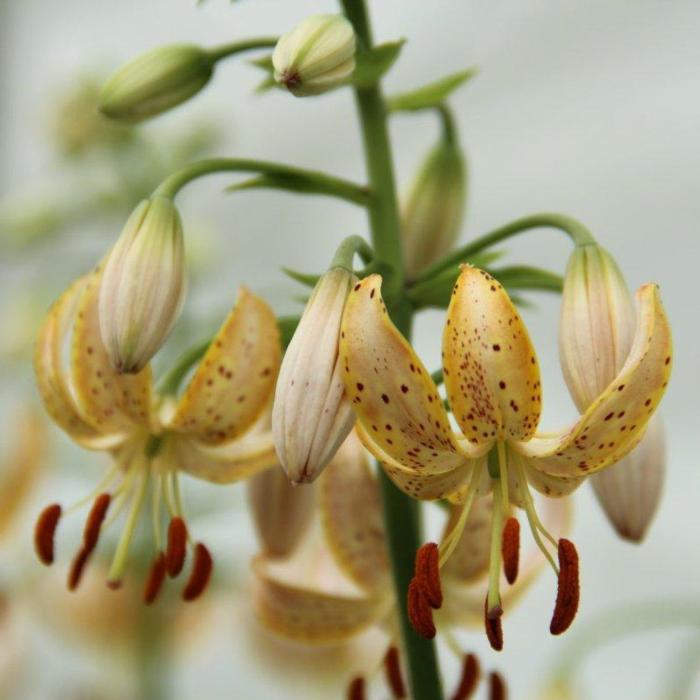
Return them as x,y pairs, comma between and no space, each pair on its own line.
219,429
493,388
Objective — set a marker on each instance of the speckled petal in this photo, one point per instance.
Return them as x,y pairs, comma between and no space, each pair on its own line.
351,516
615,422
308,615
546,484
235,379
491,372
393,395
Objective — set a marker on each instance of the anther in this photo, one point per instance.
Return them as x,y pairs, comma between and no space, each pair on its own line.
510,548
177,546
493,626
497,686
427,573
568,589
356,689
94,521
200,574
419,611
44,533
392,669
77,566
154,582
469,678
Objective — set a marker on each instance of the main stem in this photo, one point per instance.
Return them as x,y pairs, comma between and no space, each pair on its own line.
401,515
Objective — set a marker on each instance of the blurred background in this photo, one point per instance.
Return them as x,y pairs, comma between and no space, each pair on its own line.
590,108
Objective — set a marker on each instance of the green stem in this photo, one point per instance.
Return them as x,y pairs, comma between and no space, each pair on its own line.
226,50
170,383
401,514
345,252
449,129
578,233
325,184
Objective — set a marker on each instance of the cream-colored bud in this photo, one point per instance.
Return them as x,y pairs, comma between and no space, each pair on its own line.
311,415
281,511
155,82
143,285
433,210
316,56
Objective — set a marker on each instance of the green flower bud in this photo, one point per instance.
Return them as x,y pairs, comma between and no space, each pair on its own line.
316,56
433,210
156,81
143,285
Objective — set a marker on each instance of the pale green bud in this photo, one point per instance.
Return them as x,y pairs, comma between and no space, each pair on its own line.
433,210
143,285
316,56
155,82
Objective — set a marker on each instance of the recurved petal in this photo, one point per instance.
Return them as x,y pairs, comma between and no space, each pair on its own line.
546,484
235,379
393,395
491,372
308,615
615,422
351,517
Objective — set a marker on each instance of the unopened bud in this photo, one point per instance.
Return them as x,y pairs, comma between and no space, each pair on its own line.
143,285
433,210
155,82
316,56
311,415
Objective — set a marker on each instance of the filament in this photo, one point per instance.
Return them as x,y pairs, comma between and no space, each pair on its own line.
494,594
503,473
447,546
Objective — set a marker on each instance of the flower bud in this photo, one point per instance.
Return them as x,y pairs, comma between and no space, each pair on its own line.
156,81
316,56
311,415
281,511
143,285
433,210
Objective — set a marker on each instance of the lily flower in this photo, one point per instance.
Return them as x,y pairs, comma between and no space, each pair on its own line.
493,388
217,431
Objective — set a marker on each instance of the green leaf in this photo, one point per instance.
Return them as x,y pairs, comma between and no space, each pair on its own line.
371,65
526,277
304,278
264,63
431,95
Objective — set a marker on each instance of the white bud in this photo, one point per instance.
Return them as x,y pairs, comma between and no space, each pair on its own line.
143,285
316,56
311,415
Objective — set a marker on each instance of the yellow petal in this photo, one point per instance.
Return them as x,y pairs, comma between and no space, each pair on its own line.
546,484
393,395
491,372
351,516
235,379
470,559
308,615
615,422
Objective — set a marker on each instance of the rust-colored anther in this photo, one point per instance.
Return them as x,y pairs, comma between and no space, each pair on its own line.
510,546
568,590
469,678
114,584
427,573
155,579
91,533
392,669
200,574
44,533
75,573
177,546
497,686
419,611
356,689
493,626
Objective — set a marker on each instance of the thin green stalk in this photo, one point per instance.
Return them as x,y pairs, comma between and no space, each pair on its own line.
170,383
226,50
346,251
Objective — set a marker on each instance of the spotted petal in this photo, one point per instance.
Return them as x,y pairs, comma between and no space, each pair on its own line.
394,397
615,421
235,379
491,372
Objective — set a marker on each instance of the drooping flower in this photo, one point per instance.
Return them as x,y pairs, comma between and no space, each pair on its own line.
493,388
218,430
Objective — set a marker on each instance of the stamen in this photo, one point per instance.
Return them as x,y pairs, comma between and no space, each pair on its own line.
427,573
493,626
419,612
77,566
392,668
44,533
102,486
469,678
568,589
91,533
510,548
200,574
177,546
155,579
356,689
155,511
503,473
494,593
448,544
497,686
